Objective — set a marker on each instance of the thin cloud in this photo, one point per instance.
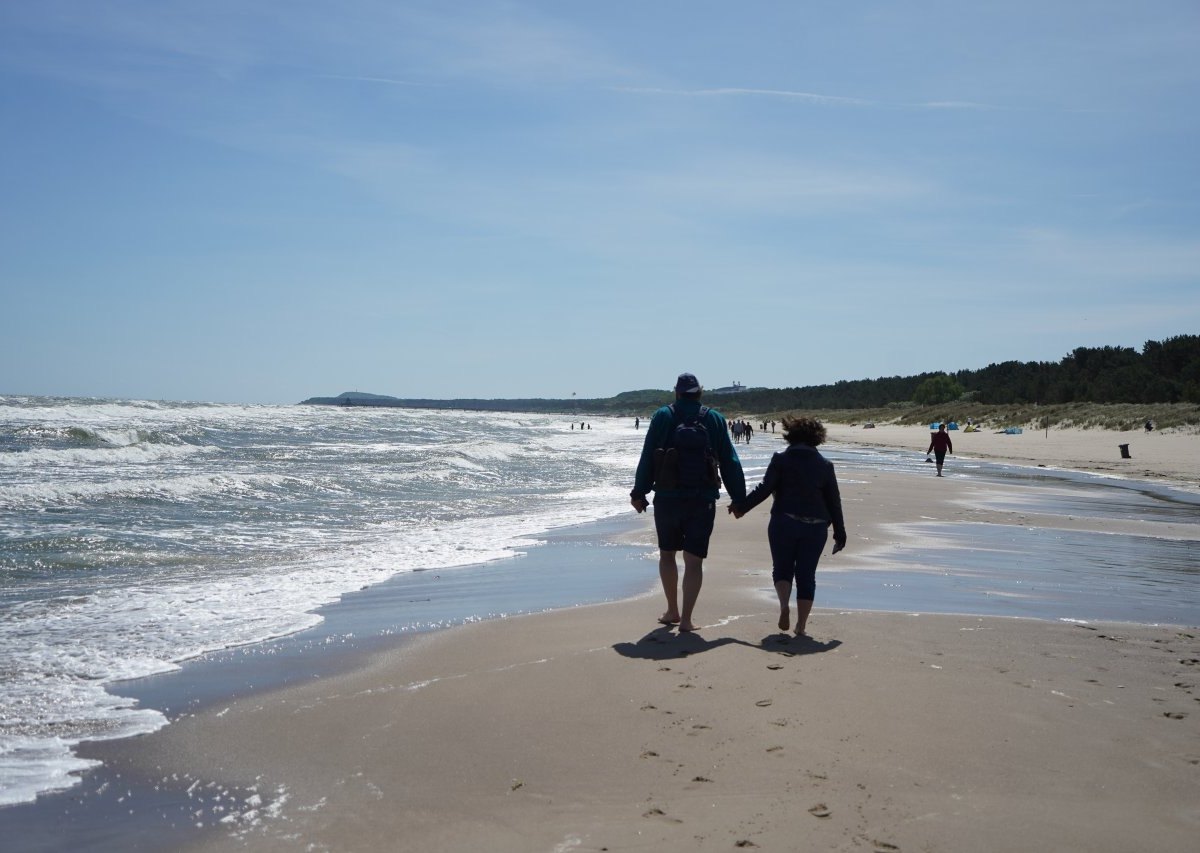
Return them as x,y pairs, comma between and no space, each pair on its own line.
356,78
956,105
733,91
810,97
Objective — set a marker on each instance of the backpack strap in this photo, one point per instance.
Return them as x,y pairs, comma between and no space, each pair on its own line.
671,431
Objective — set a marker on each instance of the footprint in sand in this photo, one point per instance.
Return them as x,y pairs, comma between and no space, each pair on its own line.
1174,715
820,810
660,813
764,703
774,666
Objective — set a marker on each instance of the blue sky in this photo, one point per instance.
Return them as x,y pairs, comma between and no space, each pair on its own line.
262,201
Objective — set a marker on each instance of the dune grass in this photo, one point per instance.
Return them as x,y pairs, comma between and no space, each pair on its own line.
1174,417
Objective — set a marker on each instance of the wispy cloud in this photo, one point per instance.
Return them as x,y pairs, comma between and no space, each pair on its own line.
955,105
724,182
509,45
809,97
358,78
733,91
1112,258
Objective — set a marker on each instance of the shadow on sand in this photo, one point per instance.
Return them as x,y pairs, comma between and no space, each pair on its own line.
664,644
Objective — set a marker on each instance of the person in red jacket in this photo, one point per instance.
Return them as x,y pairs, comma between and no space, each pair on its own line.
939,445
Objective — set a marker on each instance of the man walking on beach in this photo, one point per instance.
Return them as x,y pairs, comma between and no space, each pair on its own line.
685,445
939,443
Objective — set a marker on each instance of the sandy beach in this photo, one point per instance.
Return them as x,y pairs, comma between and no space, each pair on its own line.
595,728
1169,457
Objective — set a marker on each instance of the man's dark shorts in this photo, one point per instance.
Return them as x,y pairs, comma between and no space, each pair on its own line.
684,524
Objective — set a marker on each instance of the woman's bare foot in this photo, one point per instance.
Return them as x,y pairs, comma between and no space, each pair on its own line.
668,619
800,631
785,619
686,627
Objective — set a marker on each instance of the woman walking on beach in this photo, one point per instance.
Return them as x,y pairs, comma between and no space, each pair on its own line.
807,501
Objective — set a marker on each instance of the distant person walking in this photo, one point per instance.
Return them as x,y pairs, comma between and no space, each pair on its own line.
939,446
807,501
686,444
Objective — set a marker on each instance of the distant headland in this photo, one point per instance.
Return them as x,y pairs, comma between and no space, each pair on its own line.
629,402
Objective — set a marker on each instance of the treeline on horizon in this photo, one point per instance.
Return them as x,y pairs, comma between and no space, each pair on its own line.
1165,371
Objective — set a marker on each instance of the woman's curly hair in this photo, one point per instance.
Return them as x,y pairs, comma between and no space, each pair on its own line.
801,430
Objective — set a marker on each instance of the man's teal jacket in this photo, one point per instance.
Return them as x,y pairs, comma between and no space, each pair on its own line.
659,432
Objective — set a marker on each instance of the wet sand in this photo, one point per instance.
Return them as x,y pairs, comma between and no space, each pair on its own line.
594,728
1170,457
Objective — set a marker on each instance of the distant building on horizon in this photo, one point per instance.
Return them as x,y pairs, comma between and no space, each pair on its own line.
730,389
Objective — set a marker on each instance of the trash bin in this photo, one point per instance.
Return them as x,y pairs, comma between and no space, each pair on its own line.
1124,451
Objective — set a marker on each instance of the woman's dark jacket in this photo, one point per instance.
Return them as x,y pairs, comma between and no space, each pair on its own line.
804,486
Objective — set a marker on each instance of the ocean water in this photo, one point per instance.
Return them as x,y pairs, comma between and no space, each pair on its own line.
135,535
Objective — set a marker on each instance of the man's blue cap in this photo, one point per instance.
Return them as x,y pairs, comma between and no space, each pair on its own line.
687,384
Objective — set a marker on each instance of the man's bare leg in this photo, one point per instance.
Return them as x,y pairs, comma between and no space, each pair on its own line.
784,590
693,579
668,572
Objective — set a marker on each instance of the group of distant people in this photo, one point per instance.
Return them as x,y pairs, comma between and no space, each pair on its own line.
741,431
802,482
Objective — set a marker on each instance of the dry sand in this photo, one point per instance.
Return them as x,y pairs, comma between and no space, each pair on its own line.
596,729
1172,457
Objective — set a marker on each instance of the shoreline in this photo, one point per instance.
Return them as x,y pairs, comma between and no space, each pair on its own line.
1170,458
254,785
596,728
607,565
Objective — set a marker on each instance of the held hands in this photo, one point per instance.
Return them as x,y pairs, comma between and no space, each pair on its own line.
735,511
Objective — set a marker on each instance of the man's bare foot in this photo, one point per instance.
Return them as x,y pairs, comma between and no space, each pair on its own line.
686,627
668,619
800,633
785,620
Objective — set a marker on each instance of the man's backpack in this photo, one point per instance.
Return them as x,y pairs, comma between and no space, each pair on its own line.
687,460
